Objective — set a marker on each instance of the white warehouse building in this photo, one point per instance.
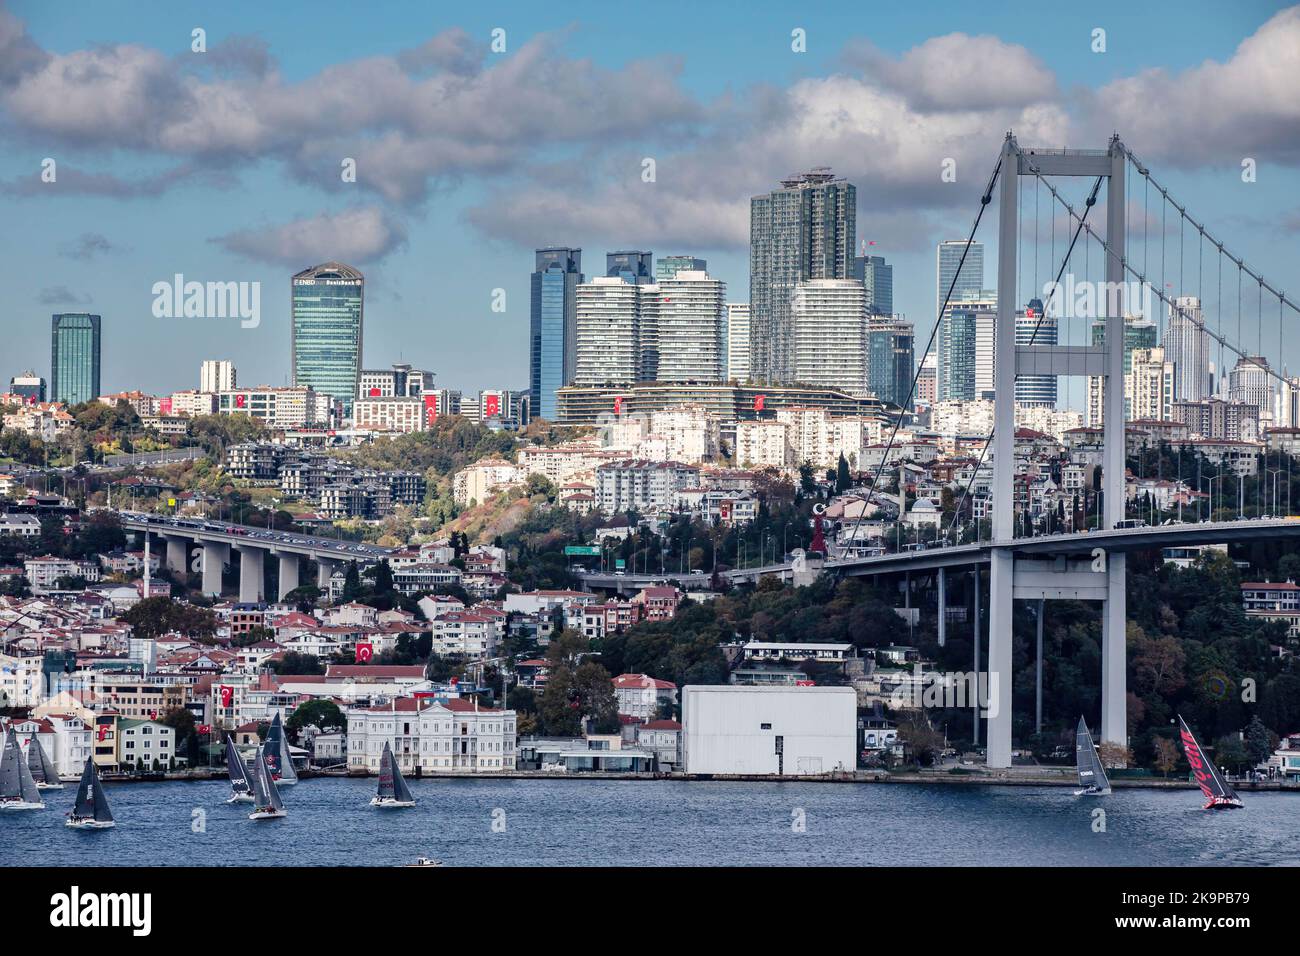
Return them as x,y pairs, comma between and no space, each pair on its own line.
769,730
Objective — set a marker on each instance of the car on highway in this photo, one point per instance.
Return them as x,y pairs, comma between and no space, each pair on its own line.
1130,523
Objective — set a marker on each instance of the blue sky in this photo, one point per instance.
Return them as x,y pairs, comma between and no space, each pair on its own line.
224,165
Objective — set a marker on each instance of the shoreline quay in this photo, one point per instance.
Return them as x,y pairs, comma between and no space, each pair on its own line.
968,779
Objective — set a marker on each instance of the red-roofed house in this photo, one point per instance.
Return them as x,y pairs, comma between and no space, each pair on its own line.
639,695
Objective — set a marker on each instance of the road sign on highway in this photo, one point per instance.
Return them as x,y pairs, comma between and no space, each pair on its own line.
582,549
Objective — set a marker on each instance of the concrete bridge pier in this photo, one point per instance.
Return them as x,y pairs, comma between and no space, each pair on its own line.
325,568
943,608
288,573
177,552
215,556
1114,680
998,703
252,574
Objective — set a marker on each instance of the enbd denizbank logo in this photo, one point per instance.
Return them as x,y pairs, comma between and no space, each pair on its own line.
179,299
75,910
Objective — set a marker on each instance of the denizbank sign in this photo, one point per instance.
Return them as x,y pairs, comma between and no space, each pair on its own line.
327,282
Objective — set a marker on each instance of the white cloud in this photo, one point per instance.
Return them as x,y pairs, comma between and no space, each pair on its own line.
361,234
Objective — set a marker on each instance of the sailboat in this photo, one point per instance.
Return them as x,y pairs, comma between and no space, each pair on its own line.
17,786
278,760
1092,775
241,789
1220,796
393,791
42,767
266,797
90,810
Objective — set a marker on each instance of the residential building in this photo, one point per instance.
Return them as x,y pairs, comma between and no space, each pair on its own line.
806,229
642,697
434,736
1273,601
692,328
642,486
738,333
217,375
29,386
1035,327
1139,333
763,443
613,325
827,338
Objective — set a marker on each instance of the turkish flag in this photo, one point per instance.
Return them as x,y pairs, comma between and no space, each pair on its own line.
204,728
374,393
455,681
759,400
227,694
101,732
239,401
618,404
491,405
365,651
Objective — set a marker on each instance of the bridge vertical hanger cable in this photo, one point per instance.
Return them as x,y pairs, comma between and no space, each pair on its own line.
985,198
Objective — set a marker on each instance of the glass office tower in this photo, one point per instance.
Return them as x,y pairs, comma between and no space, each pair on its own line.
552,326
74,357
327,309
877,277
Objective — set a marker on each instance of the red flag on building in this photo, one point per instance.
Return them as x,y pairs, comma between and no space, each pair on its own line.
759,400
618,404
227,694
101,732
365,651
204,728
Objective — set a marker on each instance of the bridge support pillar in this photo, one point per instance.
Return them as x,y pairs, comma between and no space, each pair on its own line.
943,609
288,574
325,568
176,553
251,575
998,704
215,555
1114,682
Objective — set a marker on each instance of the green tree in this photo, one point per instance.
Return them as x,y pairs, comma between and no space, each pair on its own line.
320,713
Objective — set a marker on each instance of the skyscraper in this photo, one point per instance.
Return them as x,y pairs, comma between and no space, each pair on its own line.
947,257
74,357
216,375
828,319
1187,345
804,230
691,327
738,341
631,266
891,358
1139,333
669,266
608,336
1033,327
1251,383
877,277
967,347
552,325
327,315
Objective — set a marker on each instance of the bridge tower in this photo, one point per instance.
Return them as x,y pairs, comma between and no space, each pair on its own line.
1103,577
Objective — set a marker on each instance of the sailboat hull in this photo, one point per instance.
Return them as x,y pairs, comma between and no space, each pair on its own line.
1093,792
21,805
266,815
281,782
240,798
388,803
1224,803
89,824
49,786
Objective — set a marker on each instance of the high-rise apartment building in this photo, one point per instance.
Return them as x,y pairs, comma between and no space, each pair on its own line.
1149,386
804,230
1187,345
877,278
970,275
927,379
552,325
327,316
828,319
669,266
1139,333
217,375
891,358
74,357
400,381
1251,382
738,342
608,337
692,328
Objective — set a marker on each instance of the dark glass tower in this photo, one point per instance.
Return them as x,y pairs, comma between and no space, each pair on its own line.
74,357
631,266
328,306
552,326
